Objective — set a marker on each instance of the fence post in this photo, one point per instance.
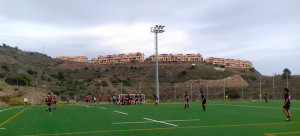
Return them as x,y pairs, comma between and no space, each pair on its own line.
31,99
224,89
101,89
242,90
121,88
139,87
260,87
207,91
191,91
175,90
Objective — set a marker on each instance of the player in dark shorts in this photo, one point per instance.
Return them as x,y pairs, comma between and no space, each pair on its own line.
88,99
266,96
186,105
109,98
117,101
68,100
77,99
130,100
122,101
136,99
156,100
100,98
127,99
141,99
54,102
287,104
48,101
203,101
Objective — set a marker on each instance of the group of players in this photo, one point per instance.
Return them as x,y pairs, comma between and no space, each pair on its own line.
187,100
128,100
50,100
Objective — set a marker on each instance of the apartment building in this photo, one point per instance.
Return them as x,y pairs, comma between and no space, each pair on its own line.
229,63
119,58
75,58
177,57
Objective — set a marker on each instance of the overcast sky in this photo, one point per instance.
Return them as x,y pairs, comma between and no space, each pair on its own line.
265,32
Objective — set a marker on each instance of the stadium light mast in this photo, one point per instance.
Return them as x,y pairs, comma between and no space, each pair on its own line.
274,74
157,29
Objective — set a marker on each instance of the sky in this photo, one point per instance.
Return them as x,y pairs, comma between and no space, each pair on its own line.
265,32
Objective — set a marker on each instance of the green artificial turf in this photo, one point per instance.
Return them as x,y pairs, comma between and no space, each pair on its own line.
221,118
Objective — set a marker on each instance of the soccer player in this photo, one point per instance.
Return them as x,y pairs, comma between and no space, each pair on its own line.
203,101
95,100
77,99
68,99
266,96
114,99
25,101
122,101
100,98
117,101
286,105
54,102
48,102
88,99
136,99
109,98
127,99
186,105
141,99
156,100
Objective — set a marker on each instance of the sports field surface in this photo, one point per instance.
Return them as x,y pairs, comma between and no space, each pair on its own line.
169,119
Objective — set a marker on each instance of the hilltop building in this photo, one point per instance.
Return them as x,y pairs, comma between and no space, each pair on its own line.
229,63
177,57
120,58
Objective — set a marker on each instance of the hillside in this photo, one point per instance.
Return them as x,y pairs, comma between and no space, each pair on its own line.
71,78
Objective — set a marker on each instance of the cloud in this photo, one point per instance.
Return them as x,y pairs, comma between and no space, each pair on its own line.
266,33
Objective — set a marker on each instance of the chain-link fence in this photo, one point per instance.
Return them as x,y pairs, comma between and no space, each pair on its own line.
254,89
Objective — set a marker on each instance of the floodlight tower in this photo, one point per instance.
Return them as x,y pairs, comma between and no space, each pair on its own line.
157,29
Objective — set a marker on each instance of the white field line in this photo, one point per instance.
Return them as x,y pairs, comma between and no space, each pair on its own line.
2,128
252,106
161,122
10,108
181,120
143,122
121,112
139,122
102,108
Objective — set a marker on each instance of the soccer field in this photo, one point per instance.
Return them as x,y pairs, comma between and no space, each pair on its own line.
221,118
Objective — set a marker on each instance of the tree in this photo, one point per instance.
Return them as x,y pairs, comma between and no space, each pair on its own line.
286,73
22,80
60,75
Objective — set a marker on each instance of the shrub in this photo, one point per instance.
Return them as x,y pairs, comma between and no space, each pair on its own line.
5,68
14,102
31,72
114,81
183,72
65,102
192,67
89,80
2,75
60,75
1,89
16,89
86,68
21,80
43,77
